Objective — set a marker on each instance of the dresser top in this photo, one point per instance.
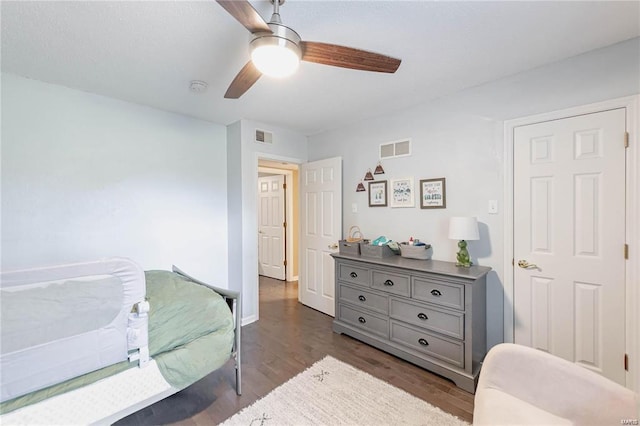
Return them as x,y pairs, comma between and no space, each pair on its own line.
431,266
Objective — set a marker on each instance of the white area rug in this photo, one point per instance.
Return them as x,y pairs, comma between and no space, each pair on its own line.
331,392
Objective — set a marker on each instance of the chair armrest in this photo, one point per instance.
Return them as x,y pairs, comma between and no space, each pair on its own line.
555,385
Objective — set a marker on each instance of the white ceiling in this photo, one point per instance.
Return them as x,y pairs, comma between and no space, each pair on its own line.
147,52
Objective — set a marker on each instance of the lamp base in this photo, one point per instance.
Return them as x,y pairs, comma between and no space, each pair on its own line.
462,257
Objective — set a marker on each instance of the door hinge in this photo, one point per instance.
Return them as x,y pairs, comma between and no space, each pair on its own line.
626,362
284,224
284,186
626,139
285,262
626,251
513,262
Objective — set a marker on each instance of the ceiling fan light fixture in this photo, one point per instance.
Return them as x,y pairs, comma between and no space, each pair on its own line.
276,54
286,49
275,60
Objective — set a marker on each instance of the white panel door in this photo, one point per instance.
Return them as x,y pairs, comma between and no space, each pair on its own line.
569,226
321,228
271,220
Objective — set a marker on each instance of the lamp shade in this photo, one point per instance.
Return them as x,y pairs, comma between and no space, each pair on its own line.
463,228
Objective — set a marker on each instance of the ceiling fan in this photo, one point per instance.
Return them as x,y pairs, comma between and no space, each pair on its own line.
276,49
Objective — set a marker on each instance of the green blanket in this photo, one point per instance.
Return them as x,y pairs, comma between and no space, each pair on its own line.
190,335
190,328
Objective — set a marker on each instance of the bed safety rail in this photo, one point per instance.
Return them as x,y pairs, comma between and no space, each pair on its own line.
63,321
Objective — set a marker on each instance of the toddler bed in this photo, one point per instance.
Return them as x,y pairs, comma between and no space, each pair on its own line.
93,342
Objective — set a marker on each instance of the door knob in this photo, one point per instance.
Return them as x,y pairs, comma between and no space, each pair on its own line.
526,265
333,246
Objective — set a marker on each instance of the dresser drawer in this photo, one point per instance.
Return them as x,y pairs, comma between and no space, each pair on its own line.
444,322
364,320
360,297
425,342
438,292
391,283
353,274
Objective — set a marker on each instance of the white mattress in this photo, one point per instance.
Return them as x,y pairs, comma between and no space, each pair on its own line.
102,402
64,321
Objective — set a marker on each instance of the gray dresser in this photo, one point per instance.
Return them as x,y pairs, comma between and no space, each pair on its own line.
428,312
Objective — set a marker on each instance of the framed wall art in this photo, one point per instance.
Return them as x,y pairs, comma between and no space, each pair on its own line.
378,193
402,193
433,194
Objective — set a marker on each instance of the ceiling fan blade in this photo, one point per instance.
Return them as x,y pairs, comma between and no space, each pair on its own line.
245,14
347,57
247,76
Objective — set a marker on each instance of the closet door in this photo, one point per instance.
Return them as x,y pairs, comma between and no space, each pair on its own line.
271,227
569,236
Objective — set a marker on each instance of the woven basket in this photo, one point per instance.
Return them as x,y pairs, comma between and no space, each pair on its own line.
416,252
355,235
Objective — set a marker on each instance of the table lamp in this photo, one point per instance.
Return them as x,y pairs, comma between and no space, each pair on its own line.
463,229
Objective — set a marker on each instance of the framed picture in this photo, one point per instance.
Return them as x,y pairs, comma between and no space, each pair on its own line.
433,194
402,193
378,193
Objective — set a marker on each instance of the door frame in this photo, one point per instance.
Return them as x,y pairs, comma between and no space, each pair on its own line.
250,239
632,224
288,216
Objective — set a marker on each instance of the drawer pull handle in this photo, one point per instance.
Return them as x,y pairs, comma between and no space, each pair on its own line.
353,275
423,342
362,298
362,320
388,283
423,316
436,293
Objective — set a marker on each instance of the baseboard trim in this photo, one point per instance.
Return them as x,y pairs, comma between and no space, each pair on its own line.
248,320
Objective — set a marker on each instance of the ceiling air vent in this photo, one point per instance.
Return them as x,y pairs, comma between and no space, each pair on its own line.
400,148
262,136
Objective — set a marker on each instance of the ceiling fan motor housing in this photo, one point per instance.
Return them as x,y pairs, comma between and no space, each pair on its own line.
281,36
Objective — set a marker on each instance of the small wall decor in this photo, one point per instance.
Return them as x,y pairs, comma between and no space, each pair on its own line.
378,193
360,187
379,170
433,194
402,193
368,175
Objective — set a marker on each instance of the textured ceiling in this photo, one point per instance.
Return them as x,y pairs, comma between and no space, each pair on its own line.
147,52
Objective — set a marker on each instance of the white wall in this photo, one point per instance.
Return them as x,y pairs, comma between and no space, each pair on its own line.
464,149
234,206
287,146
461,138
84,176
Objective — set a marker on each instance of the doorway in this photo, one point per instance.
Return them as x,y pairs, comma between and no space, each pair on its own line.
319,185
278,220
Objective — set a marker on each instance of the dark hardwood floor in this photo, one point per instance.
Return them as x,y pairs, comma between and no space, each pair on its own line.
287,339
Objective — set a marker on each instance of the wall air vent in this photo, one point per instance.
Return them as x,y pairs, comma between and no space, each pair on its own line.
401,148
262,136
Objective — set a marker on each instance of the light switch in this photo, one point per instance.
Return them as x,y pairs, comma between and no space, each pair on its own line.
493,207
354,208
